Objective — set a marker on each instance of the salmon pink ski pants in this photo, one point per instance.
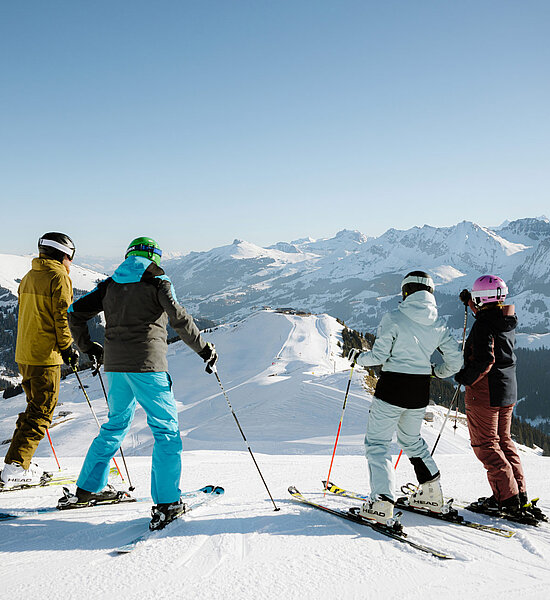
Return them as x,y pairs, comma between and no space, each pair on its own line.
492,443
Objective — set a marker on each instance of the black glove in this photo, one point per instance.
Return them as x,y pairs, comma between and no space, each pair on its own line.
210,356
465,297
95,353
433,371
353,354
70,357
459,377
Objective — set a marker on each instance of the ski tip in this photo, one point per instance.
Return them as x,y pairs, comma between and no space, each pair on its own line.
7,517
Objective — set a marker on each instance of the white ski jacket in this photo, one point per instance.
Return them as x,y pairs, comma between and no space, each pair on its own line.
408,336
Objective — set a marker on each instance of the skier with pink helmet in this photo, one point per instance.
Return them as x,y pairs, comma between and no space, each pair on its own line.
489,376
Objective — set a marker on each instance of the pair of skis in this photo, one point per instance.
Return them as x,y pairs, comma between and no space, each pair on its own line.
402,503
395,531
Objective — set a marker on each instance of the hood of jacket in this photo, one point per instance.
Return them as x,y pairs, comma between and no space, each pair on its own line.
499,318
420,307
48,264
136,268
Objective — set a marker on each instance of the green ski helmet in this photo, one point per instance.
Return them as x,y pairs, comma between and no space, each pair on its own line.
144,246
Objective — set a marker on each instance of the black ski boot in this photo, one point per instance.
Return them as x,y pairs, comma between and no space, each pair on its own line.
162,514
487,505
83,498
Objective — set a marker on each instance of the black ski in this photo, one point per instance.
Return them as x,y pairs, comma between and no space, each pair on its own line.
393,532
451,517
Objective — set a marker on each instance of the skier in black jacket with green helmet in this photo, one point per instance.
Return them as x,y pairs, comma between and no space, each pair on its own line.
138,301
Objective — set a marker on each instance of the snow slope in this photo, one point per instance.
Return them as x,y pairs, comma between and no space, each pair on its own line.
286,383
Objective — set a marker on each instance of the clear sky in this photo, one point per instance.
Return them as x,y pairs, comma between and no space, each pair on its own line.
196,122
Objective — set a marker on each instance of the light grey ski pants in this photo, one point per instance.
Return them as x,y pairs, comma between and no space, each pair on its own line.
384,420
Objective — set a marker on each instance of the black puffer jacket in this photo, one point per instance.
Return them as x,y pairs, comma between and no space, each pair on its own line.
138,302
489,359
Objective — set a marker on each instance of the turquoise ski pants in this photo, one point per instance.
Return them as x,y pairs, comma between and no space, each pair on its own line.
153,391
384,420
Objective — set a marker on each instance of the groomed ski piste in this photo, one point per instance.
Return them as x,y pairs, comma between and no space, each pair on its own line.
286,382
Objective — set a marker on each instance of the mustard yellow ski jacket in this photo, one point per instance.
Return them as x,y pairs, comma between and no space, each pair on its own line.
45,294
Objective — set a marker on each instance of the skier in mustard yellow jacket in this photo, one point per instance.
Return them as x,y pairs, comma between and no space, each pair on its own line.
44,342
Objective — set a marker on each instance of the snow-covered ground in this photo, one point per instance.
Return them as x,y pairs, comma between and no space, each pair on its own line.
286,383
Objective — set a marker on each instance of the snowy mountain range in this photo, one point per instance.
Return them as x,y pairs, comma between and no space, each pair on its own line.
350,276
357,278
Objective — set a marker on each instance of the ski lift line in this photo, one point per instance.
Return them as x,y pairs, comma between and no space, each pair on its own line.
218,394
336,390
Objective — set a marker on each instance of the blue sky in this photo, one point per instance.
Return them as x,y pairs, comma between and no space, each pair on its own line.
199,122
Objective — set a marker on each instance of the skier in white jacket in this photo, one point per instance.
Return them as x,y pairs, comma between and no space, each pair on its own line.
405,341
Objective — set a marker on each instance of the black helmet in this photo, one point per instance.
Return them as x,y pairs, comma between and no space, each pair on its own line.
415,281
56,245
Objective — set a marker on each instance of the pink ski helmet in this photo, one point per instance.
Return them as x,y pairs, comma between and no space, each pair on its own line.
489,288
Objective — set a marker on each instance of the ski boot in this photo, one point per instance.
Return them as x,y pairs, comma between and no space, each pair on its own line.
429,496
162,514
378,508
487,505
83,498
14,476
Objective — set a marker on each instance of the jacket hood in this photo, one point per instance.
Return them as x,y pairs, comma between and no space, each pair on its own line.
500,318
136,268
48,264
420,307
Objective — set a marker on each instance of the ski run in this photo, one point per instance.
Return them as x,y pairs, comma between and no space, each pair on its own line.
286,387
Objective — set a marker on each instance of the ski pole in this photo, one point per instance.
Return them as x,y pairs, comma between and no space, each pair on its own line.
53,449
131,487
215,371
95,416
339,427
398,458
455,397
